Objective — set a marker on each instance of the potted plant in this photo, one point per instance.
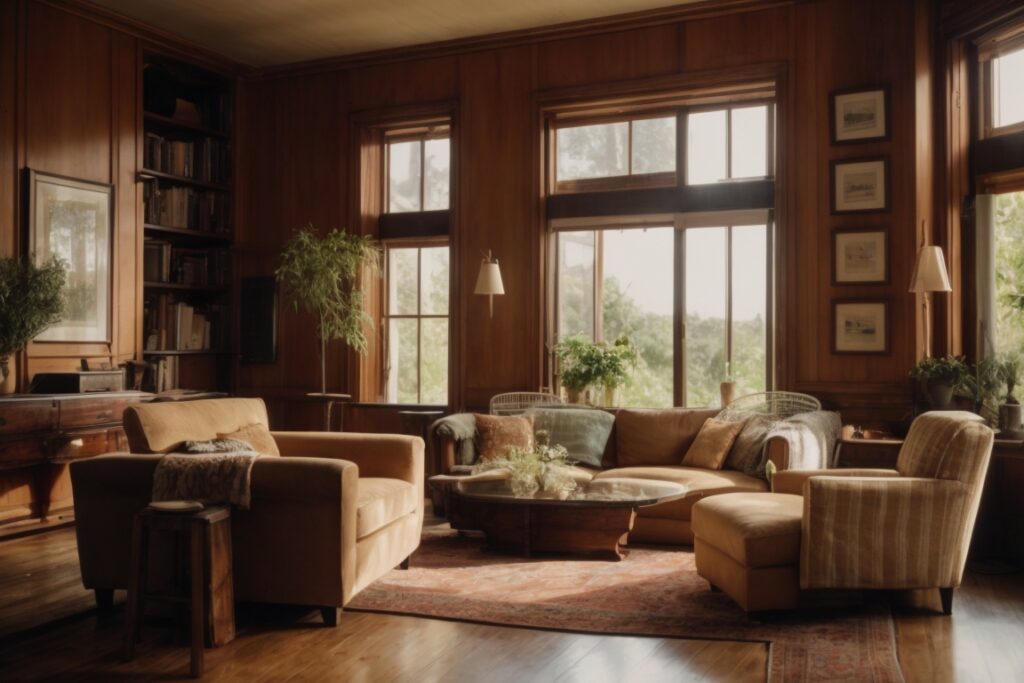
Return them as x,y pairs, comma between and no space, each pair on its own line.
615,361
31,299
1010,410
727,388
578,366
939,378
981,385
321,275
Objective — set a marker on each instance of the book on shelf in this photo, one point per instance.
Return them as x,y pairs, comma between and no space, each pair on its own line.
186,207
208,159
156,261
163,262
173,325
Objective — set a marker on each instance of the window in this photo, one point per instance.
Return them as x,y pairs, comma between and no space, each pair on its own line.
1001,60
613,282
681,268
416,324
418,171
1008,230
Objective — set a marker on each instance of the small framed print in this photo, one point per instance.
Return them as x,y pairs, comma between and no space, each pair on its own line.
860,256
860,326
860,115
860,185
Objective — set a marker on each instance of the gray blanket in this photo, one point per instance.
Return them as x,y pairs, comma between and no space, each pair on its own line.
217,477
812,438
460,427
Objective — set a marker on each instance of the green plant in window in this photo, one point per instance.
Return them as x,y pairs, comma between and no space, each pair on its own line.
1010,367
579,363
320,274
615,362
31,299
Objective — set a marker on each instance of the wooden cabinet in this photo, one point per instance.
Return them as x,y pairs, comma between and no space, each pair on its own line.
40,436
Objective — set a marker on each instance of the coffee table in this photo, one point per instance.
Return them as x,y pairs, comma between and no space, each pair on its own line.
594,520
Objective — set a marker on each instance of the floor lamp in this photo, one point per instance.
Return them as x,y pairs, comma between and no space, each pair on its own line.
929,276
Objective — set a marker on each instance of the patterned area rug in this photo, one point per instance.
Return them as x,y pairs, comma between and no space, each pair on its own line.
653,592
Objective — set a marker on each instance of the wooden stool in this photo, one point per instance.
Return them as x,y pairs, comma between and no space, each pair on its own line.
212,600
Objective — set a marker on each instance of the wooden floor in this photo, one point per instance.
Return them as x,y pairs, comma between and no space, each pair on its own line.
48,631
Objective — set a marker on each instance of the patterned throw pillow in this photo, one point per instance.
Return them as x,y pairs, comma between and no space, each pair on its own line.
257,435
712,444
495,433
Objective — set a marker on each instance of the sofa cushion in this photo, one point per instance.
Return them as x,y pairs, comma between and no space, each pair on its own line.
257,436
162,427
712,444
755,529
380,502
698,481
583,432
747,452
656,437
496,433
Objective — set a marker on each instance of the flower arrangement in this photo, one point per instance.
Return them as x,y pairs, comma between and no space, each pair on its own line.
541,468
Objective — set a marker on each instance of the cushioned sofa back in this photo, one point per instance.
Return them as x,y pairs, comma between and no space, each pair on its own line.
162,427
656,437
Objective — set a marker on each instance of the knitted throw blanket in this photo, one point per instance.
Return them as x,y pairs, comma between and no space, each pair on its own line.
211,476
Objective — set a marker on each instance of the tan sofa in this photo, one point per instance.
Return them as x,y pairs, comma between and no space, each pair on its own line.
328,517
650,444
823,530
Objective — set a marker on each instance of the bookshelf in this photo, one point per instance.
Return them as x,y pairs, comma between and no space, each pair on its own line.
188,210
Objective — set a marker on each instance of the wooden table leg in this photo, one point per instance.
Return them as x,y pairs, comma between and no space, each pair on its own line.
198,589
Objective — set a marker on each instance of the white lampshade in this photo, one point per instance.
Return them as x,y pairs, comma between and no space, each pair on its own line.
489,279
930,271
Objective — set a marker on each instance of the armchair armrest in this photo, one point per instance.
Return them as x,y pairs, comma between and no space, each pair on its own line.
392,456
884,532
792,481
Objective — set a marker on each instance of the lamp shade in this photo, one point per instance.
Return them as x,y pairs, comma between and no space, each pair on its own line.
489,279
930,271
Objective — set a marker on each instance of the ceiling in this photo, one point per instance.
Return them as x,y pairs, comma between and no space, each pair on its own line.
274,32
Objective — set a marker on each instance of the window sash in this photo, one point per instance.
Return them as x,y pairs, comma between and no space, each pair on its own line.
433,133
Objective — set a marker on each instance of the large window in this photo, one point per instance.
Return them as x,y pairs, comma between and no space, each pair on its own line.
681,269
416,324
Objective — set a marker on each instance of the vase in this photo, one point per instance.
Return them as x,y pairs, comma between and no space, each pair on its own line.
575,395
8,381
939,393
727,390
610,396
1010,418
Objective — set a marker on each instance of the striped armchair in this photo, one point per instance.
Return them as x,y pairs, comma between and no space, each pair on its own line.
896,529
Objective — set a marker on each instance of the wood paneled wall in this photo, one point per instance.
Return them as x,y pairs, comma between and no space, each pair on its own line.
295,137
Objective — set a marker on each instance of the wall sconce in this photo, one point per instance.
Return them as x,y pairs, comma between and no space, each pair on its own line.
489,280
929,276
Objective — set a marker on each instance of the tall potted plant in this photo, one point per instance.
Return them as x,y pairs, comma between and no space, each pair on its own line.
31,299
321,275
939,378
578,366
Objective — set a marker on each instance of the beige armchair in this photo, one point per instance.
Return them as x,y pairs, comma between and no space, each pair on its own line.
331,515
906,528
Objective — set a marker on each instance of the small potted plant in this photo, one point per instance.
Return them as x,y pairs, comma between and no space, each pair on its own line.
578,365
31,299
1010,410
616,359
939,378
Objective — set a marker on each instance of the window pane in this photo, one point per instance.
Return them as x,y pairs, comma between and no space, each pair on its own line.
402,291
1008,89
1008,229
706,147
749,308
434,359
749,142
404,168
434,281
438,174
705,315
654,145
637,291
575,284
597,151
402,345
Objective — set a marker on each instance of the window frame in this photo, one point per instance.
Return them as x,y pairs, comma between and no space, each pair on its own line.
387,316
420,134
991,46
679,223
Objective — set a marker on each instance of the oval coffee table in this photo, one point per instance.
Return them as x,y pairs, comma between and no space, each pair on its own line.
594,520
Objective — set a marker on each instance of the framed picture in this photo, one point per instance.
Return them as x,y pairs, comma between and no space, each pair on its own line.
860,256
860,185
860,326
860,115
73,221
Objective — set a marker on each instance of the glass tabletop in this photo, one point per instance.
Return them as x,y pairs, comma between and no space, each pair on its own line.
614,492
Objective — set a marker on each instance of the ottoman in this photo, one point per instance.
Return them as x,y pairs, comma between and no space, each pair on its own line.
748,546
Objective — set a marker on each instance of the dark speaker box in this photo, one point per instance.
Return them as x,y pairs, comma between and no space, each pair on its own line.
258,320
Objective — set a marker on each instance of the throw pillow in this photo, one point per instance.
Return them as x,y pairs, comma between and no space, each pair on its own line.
712,444
495,433
747,452
257,435
655,438
582,431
